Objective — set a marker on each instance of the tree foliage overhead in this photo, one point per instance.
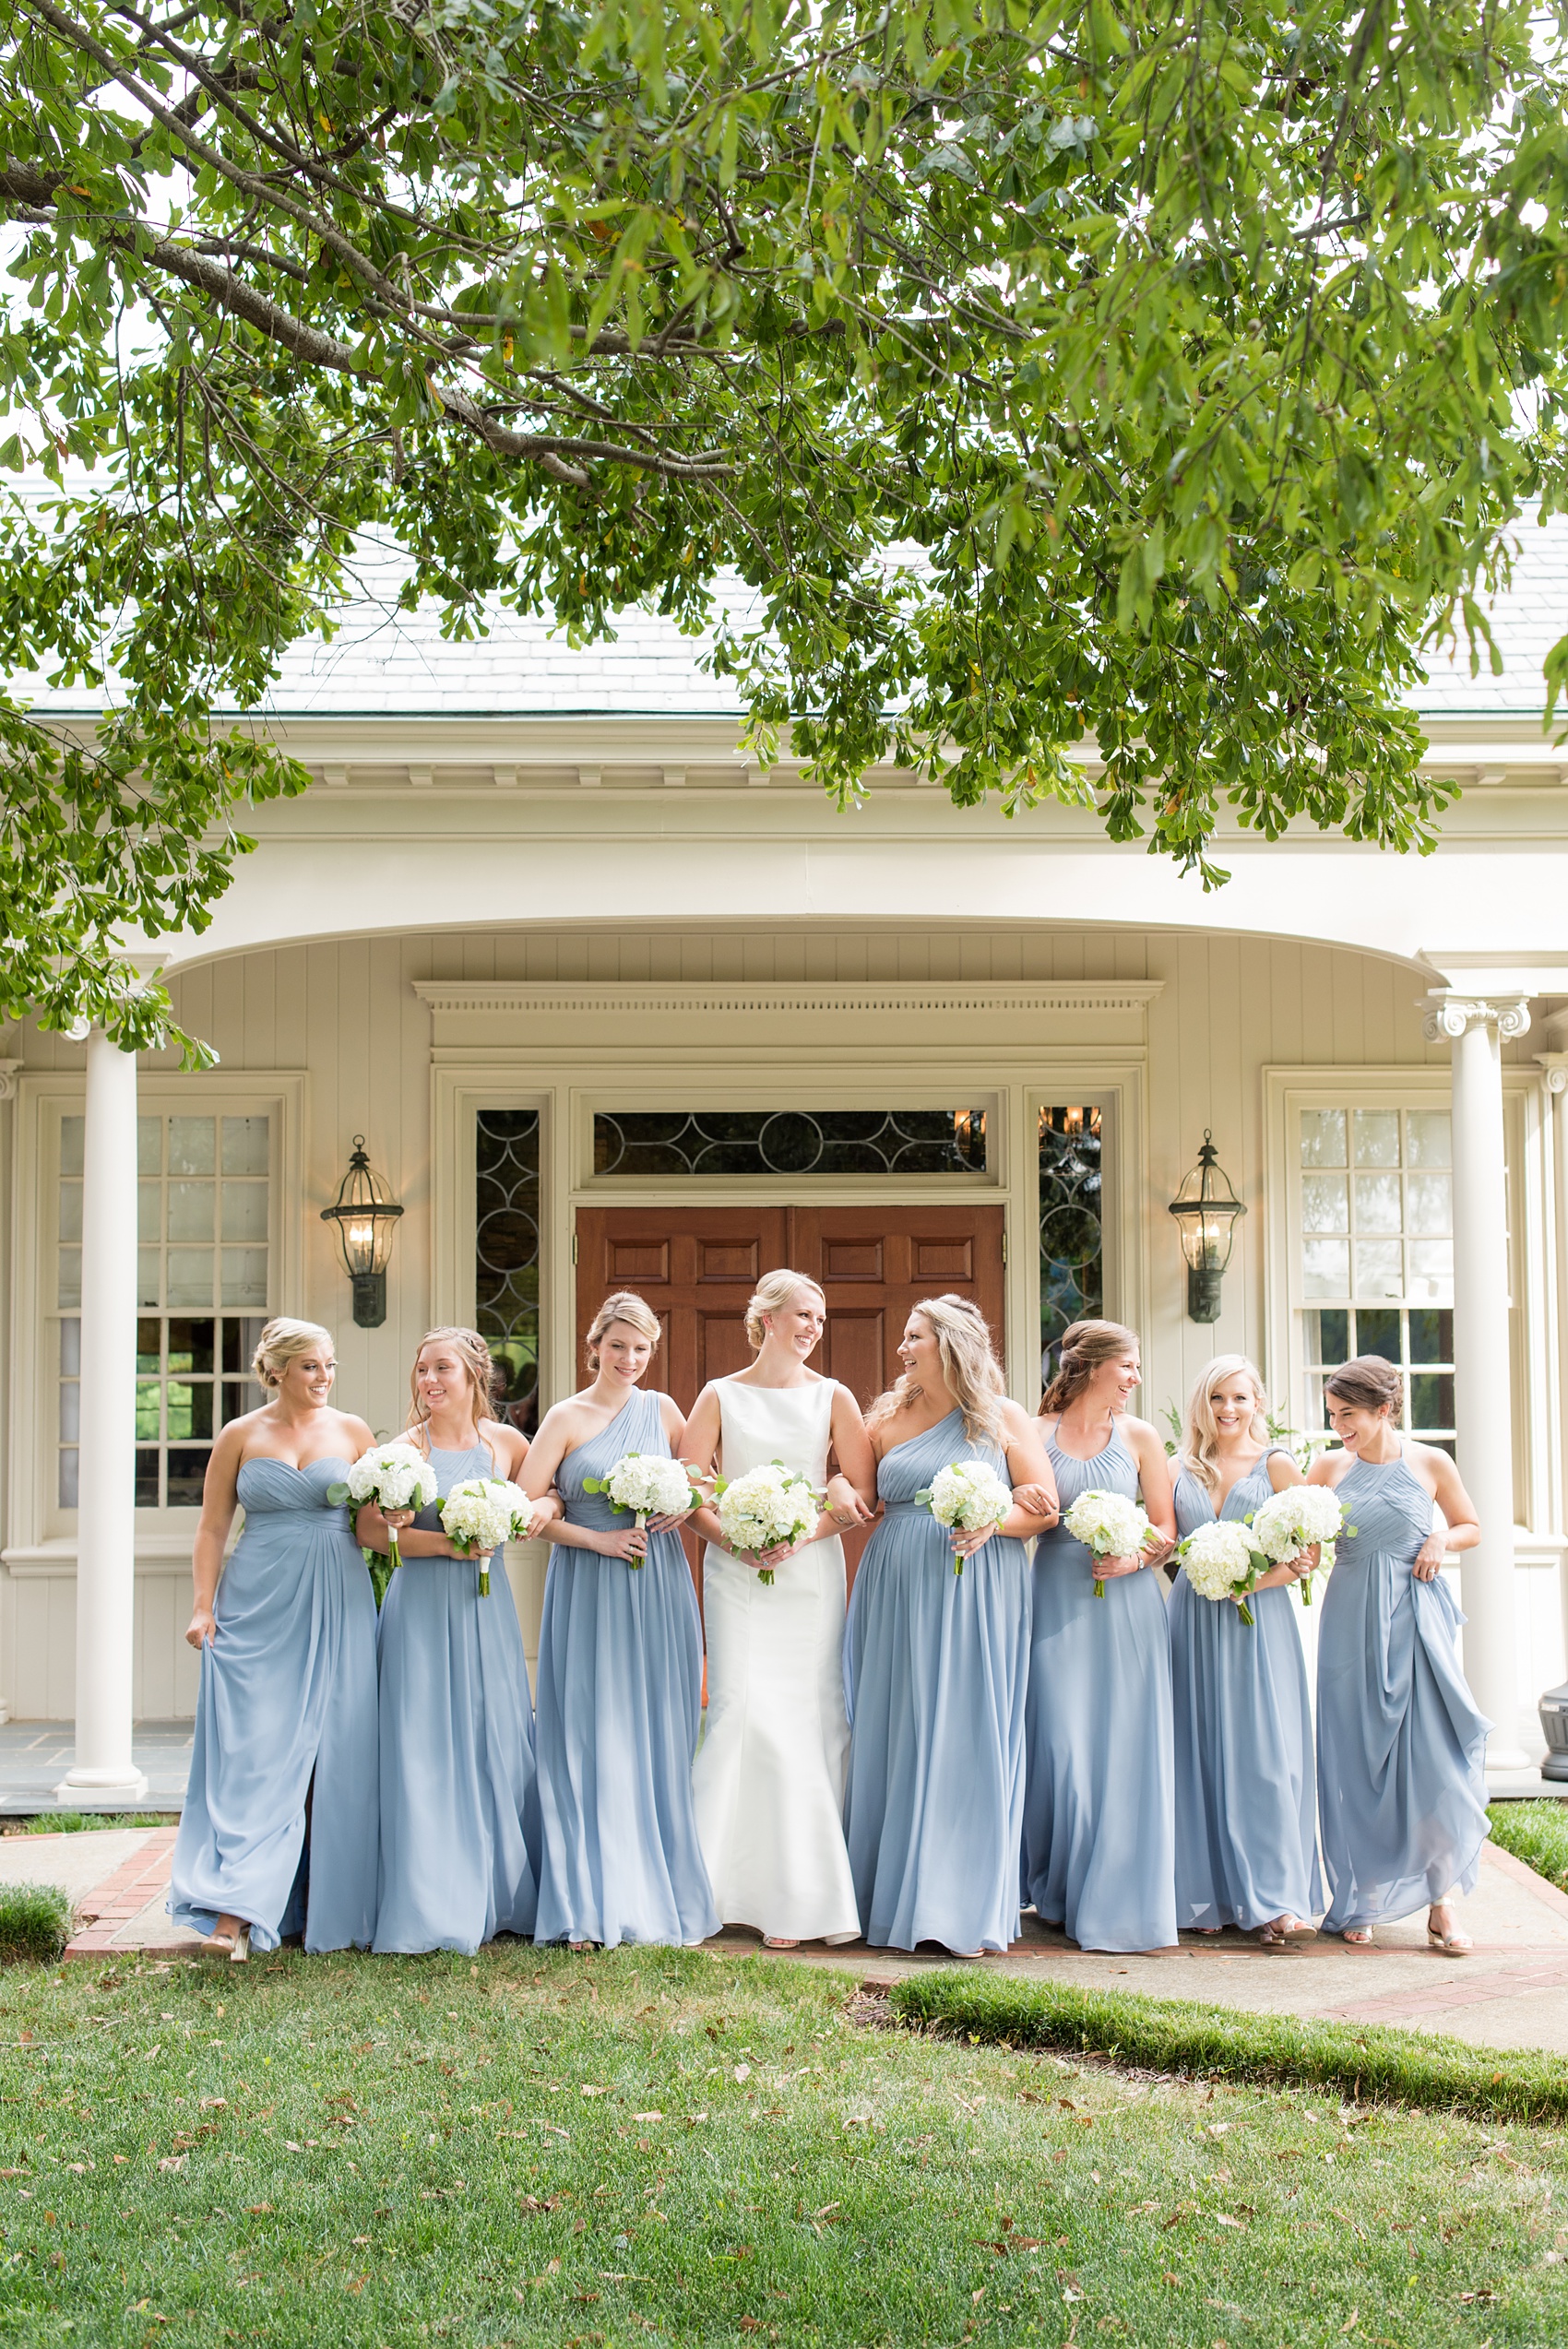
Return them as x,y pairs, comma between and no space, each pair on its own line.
1159,373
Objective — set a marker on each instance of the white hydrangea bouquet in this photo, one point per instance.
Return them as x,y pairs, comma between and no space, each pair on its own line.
766,1506
1220,1561
395,1476
650,1485
481,1513
964,1497
1110,1526
1294,1520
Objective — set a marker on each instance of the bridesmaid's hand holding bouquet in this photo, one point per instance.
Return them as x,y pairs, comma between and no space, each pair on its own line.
1112,1527
970,1500
1220,1562
481,1513
397,1478
651,1486
1296,1524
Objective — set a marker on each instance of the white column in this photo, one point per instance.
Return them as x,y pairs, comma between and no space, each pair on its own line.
104,1771
1482,1400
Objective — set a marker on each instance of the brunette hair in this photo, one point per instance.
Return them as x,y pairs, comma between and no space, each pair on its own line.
1367,1383
484,1378
281,1342
969,1365
624,1306
772,1293
1200,1437
1085,1346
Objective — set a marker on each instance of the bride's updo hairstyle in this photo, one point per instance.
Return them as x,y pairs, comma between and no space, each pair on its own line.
485,1380
1085,1346
771,1295
1366,1383
624,1306
1200,1437
969,1365
282,1342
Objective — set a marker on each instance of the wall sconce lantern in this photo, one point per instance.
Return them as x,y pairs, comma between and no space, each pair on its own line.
366,1215
1207,1210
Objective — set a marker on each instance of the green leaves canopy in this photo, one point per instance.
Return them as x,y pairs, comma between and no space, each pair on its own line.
1162,374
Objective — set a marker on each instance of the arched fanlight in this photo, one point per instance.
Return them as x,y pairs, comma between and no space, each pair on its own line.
366,1215
1207,1210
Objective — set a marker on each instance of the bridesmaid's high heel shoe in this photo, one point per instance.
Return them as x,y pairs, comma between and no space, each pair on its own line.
1451,1943
240,1952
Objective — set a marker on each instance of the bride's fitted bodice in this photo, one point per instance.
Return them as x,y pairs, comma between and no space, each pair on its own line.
275,1488
794,1424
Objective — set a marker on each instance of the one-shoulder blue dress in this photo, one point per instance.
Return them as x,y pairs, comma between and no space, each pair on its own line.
1246,1790
1401,1747
619,1710
1099,1803
935,1666
286,1709
459,1810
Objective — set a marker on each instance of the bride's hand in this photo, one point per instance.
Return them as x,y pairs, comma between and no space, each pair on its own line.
667,1525
845,1506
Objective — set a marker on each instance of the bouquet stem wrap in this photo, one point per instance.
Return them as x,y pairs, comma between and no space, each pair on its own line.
393,1476
965,1497
480,1514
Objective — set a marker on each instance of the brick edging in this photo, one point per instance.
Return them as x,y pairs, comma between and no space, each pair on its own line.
1548,1894
123,1896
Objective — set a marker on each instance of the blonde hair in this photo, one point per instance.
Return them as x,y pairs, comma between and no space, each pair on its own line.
476,1361
771,1295
1084,1346
969,1365
624,1306
1200,1437
281,1342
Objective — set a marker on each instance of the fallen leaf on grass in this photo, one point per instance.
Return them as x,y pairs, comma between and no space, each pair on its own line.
1223,2218
214,2103
537,2203
1485,2296
552,2269
647,2116
588,2090
1351,2321
258,2209
177,2161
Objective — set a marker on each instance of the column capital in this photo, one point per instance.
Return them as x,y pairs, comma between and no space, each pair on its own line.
1453,1013
1554,1067
9,1073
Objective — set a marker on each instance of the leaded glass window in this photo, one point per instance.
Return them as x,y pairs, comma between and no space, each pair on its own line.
506,1253
1071,1239
789,1142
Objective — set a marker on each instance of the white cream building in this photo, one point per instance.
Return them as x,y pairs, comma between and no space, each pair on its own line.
607,1002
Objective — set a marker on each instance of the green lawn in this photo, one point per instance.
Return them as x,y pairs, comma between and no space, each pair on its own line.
1535,1832
536,2148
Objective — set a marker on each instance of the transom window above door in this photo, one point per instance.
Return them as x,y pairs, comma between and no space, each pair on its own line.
643,1143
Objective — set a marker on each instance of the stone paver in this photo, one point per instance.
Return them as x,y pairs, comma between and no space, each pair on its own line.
35,1756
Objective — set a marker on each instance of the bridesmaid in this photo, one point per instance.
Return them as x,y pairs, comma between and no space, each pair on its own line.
620,1669
1099,1858
279,1830
1246,1791
770,1779
1401,1747
460,1818
936,1664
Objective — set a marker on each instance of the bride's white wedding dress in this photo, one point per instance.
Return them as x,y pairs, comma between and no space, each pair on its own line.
770,1776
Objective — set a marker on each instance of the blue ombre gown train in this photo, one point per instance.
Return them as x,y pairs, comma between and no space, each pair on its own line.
620,1706
935,1666
1246,1790
1099,1824
1401,1747
459,1811
286,1708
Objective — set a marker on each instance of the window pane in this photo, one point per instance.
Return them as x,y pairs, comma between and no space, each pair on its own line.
68,1289
1431,1401
70,1411
192,1147
1431,1276
507,1253
1428,1138
189,1408
1379,1333
190,1210
149,1211
190,1277
150,1145
241,1338
146,1479
245,1146
70,1347
1323,1137
1327,1337
1325,1203
1431,1337
1380,1270
1428,1202
70,1211
72,1134
761,1142
150,1347
244,1211
1071,1274
1377,1202
190,1345
240,1396
245,1277
148,1398
1377,1137
150,1277
66,1487
187,1471
1326,1267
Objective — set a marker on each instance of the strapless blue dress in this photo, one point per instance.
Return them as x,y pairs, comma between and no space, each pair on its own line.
286,1709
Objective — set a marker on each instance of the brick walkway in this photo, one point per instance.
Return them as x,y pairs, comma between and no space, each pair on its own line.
122,1899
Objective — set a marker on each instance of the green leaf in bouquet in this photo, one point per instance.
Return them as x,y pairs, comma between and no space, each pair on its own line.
337,1494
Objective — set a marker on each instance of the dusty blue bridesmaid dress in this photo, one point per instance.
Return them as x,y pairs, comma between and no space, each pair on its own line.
1099,1829
620,1707
459,1812
1246,1791
935,1665
286,1707
1401,1747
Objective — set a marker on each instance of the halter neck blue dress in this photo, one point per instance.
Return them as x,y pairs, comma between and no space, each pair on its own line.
620,1707
1401,1747
286,1708
935,1665
459,1810
1246,1790
1099,1804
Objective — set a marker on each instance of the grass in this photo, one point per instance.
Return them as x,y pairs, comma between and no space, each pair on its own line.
1535,1832
1360,2060
78,1822
35,1923
536,2149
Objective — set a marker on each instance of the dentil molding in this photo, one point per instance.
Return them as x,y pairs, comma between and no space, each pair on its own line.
721,998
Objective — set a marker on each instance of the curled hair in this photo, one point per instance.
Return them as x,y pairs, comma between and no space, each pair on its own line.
282,1342
485,1378
1200,1437
1084,1346
771,1295
969,1365
624,1306
1367,1383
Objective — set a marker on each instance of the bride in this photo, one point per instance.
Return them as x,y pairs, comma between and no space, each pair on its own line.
769,1774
